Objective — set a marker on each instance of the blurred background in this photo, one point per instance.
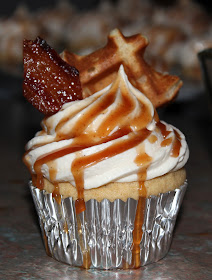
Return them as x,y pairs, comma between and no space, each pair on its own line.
177,30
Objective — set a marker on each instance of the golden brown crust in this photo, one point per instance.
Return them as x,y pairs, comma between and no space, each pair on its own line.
98,69
123,191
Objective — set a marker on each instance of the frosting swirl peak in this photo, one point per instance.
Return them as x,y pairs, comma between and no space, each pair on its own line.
112,135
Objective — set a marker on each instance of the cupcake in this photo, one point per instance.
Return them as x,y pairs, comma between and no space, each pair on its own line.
108,176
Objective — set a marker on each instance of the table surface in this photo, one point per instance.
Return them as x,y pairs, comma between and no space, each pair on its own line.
22,254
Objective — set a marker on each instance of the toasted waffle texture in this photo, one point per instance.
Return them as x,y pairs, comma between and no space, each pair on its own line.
98,69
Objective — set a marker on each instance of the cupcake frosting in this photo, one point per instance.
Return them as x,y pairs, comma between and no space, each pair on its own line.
113,135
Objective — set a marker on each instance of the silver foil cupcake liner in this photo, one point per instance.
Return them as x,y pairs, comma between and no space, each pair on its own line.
102,236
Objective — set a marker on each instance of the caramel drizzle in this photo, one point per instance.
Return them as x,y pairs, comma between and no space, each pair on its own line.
81,163
84,246
117,117
176,145
144,161
167,141
138,223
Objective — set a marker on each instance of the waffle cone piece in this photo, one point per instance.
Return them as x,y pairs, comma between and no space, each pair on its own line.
98,69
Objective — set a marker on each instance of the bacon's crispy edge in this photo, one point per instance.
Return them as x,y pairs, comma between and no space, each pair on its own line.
49,81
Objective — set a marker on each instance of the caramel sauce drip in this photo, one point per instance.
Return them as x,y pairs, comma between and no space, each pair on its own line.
94,110
80,203
56,193
167,141
176,145
118,116
65,227
80,163
84,246
152,138
125,264
138,223
163,129
143,161
48,158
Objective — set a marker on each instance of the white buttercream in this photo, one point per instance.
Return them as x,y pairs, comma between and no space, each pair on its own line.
118,168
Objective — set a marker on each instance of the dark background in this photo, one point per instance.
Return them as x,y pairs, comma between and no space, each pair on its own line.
9,6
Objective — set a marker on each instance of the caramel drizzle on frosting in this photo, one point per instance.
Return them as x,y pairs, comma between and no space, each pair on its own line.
169,140
80,163
114,126
117,121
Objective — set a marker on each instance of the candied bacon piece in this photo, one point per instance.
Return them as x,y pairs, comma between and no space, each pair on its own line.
49,81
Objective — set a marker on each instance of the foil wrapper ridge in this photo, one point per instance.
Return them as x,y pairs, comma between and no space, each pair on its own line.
102,236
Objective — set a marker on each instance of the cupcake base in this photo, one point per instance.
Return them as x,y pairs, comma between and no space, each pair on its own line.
102,236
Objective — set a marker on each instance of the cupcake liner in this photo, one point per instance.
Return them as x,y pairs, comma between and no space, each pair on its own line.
102,236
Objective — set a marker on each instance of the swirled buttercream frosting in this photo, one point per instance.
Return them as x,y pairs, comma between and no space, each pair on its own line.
113,135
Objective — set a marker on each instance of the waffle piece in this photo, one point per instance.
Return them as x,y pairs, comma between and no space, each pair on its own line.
98,69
